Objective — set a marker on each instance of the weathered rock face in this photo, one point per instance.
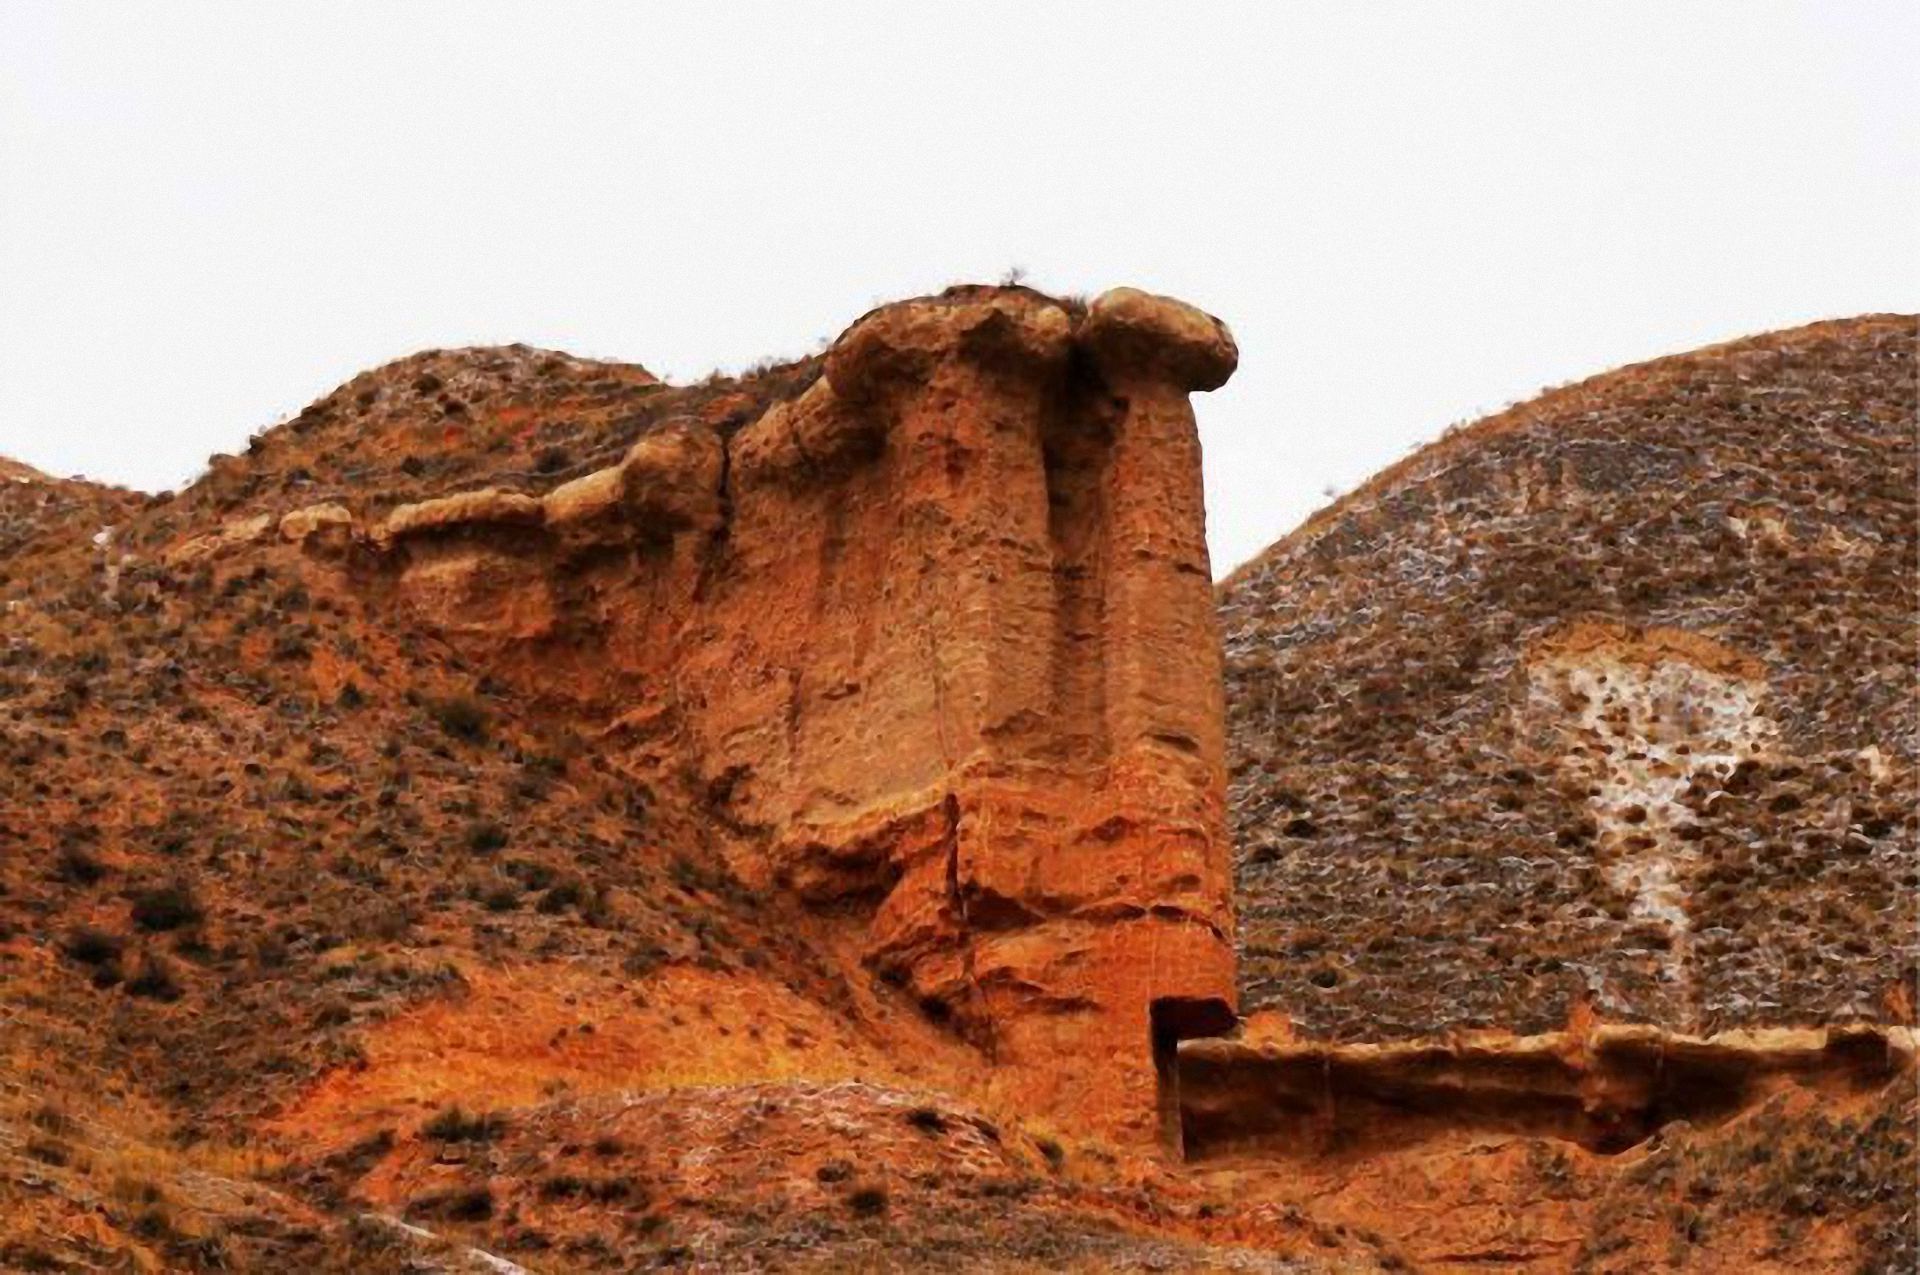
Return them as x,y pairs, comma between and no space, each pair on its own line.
1605,1088
933,638
998,708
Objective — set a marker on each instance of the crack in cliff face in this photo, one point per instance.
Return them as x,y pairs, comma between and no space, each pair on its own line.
1606,1090
980,1011
713,553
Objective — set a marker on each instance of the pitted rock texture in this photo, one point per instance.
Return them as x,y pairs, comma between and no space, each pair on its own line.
1604,704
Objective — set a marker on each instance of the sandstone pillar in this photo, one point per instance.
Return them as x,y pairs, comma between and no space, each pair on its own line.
931,645
1127,944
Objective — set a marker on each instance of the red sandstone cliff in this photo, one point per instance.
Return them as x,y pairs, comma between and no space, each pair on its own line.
507,727
932,640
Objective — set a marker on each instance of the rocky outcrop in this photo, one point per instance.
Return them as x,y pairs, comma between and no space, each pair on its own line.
933,638
485,508
329,519
1605,1089
237,534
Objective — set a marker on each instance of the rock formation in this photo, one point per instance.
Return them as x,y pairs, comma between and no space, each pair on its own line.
931,638
522,815
934,637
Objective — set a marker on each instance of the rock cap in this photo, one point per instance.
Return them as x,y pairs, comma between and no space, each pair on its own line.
898,345
1127,329
490,505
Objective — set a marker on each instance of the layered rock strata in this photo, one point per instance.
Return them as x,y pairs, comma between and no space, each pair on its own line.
932,639
1603,1087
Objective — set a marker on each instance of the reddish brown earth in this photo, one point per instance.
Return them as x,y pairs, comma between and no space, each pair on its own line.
522,812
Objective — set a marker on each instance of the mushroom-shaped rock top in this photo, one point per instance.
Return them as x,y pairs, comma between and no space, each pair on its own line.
1128,330
897,345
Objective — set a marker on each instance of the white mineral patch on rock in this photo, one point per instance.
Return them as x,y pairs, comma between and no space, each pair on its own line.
1643,717
110,563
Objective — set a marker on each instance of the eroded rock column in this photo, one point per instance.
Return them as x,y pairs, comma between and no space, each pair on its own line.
1123,889
962,390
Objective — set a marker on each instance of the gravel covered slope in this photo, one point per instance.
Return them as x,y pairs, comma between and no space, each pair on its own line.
1607,699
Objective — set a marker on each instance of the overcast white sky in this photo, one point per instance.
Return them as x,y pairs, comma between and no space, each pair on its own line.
1411,214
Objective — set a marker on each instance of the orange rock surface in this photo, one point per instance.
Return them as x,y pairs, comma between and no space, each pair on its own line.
934,641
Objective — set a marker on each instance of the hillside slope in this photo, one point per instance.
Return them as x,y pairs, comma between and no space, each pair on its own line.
1607,702
521,815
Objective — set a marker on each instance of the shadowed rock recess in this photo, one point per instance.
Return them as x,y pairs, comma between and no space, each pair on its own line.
522,815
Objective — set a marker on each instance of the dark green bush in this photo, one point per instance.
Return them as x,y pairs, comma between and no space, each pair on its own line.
452,1124
155,980
927,1120
868,1201
92,946
79,867
166,907
462,717
485,836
